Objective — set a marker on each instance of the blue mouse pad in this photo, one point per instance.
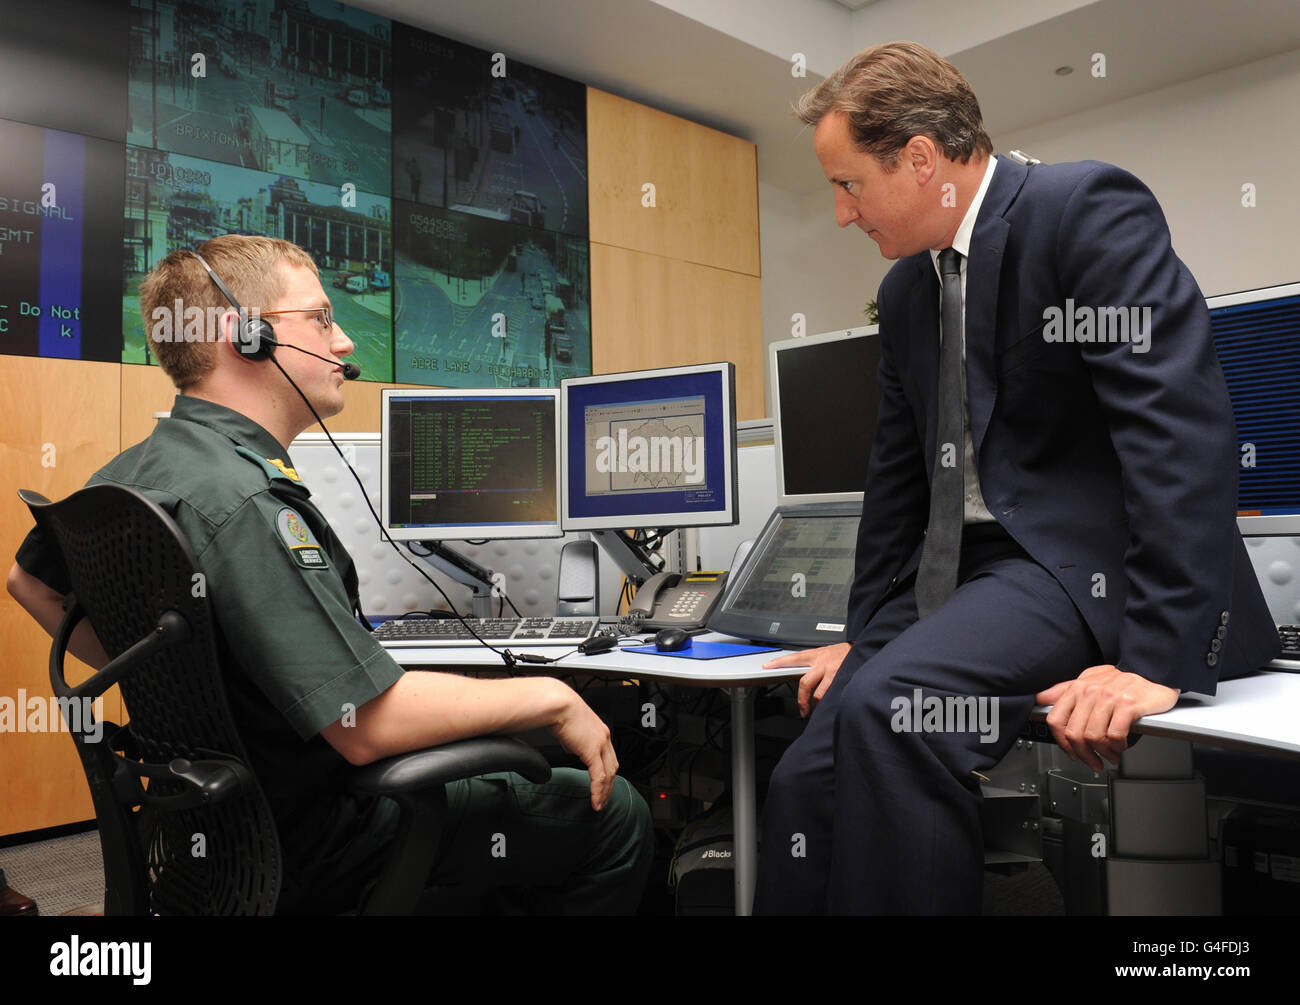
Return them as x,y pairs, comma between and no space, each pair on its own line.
707,650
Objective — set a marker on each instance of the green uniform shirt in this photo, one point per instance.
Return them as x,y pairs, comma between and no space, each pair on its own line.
283,591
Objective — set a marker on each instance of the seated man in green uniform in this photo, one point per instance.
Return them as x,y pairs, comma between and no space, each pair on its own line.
311,690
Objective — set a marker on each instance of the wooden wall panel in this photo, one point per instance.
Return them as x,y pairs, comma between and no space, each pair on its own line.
64,411
361,411
146,389
652,311
706,186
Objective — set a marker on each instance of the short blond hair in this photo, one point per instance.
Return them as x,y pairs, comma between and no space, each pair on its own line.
246,264
894,91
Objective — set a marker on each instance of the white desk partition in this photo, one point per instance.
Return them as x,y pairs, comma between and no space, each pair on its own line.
756,477
388,584
1277,565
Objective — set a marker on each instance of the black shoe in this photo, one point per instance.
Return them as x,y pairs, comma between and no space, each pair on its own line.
15,905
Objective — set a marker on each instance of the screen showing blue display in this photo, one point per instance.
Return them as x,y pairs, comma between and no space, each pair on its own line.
1258,343
650,449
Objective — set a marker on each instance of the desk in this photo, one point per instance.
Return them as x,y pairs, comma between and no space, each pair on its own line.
1157,800
1259,713
1256,713
738,675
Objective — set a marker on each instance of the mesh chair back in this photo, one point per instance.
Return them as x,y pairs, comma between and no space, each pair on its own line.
129,566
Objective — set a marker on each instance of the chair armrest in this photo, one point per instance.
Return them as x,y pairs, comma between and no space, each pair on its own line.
426,769
206,782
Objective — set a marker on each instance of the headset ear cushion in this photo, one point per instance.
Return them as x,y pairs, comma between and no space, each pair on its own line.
257,338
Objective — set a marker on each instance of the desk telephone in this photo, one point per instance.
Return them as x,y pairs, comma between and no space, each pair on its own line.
667,600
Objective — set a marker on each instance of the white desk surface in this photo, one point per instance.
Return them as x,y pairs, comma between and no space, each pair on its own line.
732,671
1260,712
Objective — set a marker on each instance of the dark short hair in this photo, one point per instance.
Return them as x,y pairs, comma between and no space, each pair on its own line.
897,90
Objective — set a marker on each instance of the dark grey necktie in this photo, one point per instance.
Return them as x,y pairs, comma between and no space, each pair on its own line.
936,577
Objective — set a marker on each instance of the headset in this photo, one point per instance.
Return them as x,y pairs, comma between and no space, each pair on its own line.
256,335
257,341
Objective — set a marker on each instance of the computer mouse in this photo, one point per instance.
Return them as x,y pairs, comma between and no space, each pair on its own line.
671,640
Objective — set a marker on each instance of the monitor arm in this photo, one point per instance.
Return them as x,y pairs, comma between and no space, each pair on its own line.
464,571
633,559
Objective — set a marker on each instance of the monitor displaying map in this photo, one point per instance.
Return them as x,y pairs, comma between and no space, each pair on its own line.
656,448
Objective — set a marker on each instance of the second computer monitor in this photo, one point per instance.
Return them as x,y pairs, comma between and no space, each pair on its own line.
460,465
654,448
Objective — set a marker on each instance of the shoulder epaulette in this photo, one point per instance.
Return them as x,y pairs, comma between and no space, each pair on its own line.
273,466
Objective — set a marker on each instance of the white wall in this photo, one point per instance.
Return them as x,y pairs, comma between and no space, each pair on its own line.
811,266
1194,144
828,34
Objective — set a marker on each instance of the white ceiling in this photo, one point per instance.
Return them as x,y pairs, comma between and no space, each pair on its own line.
727,63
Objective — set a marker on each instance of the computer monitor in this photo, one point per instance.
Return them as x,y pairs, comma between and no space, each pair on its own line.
654,448
460,465
824,402
1257,337
793,587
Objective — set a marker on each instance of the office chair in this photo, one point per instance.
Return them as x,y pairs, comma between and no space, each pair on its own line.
132,574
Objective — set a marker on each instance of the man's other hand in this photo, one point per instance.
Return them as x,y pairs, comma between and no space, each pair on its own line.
582,733
823,664
1092,715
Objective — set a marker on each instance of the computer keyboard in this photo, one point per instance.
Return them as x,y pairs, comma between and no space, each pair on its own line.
1290,636
420,633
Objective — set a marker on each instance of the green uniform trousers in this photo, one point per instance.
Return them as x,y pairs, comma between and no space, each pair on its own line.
512,846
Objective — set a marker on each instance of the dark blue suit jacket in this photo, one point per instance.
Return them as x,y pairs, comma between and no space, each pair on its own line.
1115,470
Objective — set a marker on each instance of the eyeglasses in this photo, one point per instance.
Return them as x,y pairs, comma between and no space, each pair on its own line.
324,316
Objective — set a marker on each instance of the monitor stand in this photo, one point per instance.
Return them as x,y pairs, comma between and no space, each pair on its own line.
633,559
464,571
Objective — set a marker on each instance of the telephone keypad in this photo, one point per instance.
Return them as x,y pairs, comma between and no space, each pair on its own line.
687,605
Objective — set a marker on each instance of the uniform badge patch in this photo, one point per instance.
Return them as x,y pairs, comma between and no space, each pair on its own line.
301,542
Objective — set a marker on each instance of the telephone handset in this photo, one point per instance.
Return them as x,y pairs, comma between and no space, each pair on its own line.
667,600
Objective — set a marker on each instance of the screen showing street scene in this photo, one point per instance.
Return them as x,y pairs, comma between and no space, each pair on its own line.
487,303
490,218
294,87
441,189
478,132
176,202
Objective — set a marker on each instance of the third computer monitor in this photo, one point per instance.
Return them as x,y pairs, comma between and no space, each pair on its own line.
1257,338
825,397
654,448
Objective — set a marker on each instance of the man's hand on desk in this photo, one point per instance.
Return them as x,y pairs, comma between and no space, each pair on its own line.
823,664
582,733
1092,715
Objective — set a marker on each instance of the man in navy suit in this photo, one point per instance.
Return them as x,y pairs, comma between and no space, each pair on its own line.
1094,564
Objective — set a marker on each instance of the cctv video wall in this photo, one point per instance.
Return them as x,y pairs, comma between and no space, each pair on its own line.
440,188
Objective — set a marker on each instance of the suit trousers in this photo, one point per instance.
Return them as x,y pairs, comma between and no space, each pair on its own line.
874,809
